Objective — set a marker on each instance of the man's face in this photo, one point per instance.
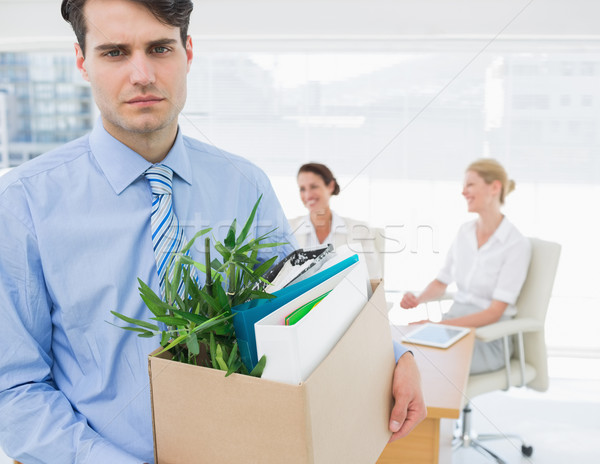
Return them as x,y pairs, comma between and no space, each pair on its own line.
137,68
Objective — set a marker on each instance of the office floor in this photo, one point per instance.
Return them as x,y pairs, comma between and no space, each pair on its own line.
562,424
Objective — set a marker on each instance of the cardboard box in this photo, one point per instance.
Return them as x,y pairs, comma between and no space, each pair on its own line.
339,415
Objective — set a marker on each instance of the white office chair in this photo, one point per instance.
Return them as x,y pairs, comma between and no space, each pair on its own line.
528,365
372,243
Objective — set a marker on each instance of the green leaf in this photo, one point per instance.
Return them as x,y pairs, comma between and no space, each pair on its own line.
216,264
255,244
241,257
173,343
270,245
213,351
230,239
224,252
174,264
249,221
192,288
152,300
264,267
215,321
259,368
164,339
212,302
201,267
246,269
234,366
219,358
192,345
170,320
223,330
133,329
189,244
233,354
174,295
221,297
191,317
261,294
131,320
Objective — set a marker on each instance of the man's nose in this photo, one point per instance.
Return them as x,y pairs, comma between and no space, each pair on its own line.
142,72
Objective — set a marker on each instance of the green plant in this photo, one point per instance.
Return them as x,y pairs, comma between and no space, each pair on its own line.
197,324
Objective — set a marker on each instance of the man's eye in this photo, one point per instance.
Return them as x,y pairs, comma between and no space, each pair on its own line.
114,53
160,50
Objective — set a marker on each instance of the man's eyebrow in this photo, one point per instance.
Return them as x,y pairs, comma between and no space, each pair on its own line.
153,43
109,46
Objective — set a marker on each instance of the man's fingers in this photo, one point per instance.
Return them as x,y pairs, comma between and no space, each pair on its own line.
399,415
412,420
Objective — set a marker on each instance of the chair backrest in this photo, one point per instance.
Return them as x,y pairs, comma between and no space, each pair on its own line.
372,246
380,247
533,303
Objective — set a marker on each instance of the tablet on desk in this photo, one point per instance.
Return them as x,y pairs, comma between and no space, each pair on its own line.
438,335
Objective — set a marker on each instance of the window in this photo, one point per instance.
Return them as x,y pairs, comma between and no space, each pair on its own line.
397,124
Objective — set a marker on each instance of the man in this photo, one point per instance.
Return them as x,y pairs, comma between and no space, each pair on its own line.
76,234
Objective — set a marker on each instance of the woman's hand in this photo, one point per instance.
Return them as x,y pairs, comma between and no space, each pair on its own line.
409,300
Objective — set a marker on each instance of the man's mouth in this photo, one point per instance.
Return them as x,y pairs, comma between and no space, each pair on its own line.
145,100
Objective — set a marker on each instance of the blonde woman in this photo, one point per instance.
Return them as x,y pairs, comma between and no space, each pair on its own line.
488,260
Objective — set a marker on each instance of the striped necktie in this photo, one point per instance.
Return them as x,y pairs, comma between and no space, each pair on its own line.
167,235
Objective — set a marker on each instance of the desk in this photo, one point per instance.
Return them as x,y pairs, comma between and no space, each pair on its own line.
444,375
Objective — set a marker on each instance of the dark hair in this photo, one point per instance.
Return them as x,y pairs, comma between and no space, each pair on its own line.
174,13
322,171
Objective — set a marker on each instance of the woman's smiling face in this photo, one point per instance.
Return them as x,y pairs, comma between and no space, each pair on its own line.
478,193
314,193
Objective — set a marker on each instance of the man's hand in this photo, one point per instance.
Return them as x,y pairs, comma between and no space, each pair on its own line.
409,406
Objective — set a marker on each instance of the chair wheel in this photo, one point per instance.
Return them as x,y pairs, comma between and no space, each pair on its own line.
527,450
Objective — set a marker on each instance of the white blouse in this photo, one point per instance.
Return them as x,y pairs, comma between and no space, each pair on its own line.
306,234
344,231
496,271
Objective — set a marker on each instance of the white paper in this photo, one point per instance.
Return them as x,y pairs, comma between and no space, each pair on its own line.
293,352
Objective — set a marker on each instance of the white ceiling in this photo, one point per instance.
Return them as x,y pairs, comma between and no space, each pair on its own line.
20,19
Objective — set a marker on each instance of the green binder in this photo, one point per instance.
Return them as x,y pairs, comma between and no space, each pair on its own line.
302,311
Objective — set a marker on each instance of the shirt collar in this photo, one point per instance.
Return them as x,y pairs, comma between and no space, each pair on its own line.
338,225
122,166
500,234
503,230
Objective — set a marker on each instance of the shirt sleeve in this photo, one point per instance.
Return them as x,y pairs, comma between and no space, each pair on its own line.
38,423
513,271
399,350
272,218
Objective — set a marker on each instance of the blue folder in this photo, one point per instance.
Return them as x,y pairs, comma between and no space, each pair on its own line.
245,315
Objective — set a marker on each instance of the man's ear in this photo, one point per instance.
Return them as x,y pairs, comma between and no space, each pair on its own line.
80,62
189,51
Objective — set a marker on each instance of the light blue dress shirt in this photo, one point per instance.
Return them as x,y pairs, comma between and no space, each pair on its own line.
74,237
